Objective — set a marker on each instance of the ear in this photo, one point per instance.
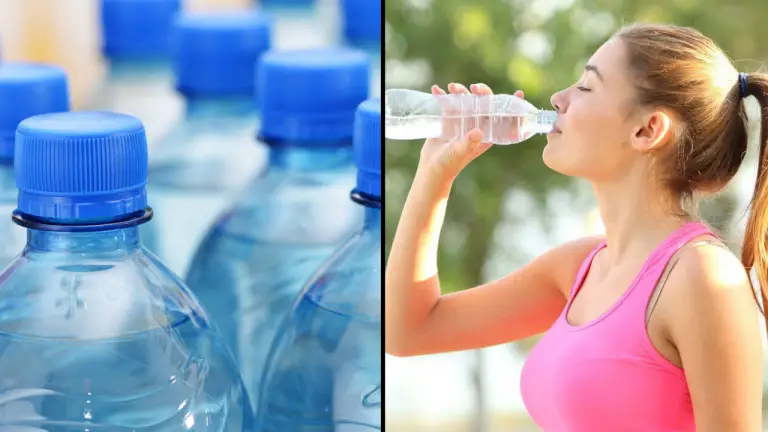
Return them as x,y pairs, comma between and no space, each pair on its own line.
653,133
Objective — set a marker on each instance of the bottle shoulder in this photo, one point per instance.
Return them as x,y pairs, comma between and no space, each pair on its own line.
294,207
60,295
350,280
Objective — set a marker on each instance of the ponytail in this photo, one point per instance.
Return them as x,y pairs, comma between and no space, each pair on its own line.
754,253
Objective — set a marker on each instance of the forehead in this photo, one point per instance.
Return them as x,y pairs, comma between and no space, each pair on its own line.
611,60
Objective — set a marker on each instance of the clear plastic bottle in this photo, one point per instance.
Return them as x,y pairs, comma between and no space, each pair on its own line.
95,332
136,45
324,367
361,28
302,24
211,154
26,89
504,119
259,253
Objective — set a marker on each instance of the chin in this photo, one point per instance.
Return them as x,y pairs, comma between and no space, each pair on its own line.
551,155
558,160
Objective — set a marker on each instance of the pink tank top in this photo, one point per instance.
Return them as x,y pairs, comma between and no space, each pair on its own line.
606,375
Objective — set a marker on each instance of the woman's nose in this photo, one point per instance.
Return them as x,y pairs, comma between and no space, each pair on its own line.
558,101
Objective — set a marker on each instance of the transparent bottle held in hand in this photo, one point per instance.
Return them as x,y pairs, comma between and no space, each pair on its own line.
504,119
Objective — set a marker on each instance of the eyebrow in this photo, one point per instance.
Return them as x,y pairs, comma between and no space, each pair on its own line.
593,69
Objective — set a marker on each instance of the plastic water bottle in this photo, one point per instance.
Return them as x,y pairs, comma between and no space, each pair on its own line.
504,119
256,258
324,367
95,333
361,26
136,44
211,154
302,24
26,90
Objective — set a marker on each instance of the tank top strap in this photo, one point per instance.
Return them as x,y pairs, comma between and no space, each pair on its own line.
582,274
656,264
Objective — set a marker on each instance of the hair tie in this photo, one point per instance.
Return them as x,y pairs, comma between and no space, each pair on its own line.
743,85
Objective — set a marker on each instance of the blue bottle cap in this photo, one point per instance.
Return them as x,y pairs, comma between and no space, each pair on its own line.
215,54
83,166
137,29
368,147
310,96
28,89
362,22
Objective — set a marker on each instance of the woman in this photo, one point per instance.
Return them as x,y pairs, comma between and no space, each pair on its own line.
653,328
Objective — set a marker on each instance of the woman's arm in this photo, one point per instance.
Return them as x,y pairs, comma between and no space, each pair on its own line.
715,328
421,321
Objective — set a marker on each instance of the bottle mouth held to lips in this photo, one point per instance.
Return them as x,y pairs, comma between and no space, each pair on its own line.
504,119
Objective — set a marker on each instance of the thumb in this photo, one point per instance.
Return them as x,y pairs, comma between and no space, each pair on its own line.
470,144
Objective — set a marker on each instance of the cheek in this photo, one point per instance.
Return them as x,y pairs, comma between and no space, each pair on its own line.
591,145
585,118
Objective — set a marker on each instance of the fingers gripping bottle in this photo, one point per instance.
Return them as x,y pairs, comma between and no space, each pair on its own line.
95,333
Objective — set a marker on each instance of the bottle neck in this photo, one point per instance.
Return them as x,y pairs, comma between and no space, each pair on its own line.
289,10
7,179
545,121
216,107
137,70
372,220
308,158
124,239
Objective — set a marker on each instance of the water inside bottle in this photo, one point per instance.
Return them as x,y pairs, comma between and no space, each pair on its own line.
499,129
169,378
12,237
414,127
327,380
260,278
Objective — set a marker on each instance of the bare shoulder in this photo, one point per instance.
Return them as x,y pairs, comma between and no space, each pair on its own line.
708,286
708,272
712,319
563,262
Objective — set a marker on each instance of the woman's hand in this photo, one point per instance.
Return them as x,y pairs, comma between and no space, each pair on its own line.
445,158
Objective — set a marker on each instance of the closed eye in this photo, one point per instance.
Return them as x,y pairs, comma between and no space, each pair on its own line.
584,89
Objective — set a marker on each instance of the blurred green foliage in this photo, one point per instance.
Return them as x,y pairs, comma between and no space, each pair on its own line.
539,46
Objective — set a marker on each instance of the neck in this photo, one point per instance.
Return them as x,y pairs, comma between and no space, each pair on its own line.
117,240
308,158
220,106
635,223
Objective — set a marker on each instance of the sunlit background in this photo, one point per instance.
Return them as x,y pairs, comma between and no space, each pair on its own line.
66,33
507,207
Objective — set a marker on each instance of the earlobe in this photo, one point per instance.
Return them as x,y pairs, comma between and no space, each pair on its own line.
654,133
